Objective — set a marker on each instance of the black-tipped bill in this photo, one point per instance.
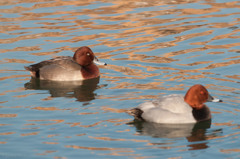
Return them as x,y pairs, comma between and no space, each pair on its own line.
96,61
211,99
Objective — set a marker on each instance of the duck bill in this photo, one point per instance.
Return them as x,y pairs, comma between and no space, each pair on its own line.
211,99
96,61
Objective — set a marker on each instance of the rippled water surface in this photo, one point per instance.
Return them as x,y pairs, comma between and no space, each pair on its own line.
151,47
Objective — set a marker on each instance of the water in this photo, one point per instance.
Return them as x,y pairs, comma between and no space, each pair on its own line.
152,48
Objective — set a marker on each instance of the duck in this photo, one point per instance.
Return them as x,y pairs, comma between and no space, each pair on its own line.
81,66
176,108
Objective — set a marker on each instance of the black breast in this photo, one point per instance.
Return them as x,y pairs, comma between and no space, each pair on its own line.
201,114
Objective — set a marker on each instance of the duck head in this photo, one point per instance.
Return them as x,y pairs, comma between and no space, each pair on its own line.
197,95
84,56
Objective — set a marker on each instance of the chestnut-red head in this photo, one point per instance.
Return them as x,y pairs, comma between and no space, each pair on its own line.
196,96
84,56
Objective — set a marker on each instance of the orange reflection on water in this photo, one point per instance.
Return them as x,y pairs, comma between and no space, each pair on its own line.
8,115
230,150
50,143
46,108
95,148
30,134
25,95
16,90
50,121
113,110
47,152
225,124
13,77
114,151
16,61
111,139
116,121
3,142
25,48
7,133
165,147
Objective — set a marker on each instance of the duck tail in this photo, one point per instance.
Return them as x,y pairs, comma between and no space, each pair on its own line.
34,73
29,68
136,112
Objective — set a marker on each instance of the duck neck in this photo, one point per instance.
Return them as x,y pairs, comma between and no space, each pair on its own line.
201,114
90,71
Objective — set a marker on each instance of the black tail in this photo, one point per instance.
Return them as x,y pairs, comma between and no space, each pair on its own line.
136,112
29,68
34,71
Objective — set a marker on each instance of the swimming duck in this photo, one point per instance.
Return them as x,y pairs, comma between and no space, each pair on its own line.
65,68
176,108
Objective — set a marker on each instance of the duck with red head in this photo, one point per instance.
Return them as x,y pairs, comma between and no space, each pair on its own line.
65,68
196,96
177,108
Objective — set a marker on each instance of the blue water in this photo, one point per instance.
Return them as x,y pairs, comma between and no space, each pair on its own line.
152,48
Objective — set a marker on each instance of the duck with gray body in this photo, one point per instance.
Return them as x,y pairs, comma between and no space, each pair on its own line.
65,68
176,108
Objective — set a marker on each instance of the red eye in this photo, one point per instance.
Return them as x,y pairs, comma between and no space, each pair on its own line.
202,92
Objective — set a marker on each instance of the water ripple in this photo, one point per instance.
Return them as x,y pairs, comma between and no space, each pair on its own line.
152,48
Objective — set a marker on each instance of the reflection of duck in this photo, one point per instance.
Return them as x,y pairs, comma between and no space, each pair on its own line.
177,108
81,90
65,68
192,132
169,130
